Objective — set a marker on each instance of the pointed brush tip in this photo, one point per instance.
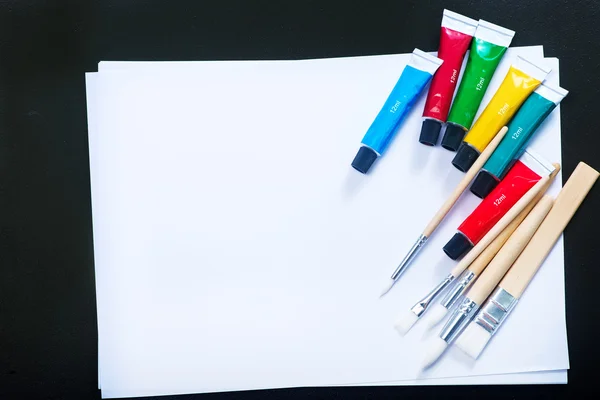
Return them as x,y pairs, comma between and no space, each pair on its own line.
438,347
387,288
436,314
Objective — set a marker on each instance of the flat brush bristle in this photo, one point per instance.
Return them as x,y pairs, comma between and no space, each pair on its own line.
406,322
473,340
436,314
434,352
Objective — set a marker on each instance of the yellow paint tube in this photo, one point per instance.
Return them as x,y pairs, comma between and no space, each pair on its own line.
522,79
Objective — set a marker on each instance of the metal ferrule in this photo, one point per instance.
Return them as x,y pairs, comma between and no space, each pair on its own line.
419,308
412,253
495,310
459,320
456,292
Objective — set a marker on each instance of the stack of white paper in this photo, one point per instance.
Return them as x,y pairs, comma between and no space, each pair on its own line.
237,249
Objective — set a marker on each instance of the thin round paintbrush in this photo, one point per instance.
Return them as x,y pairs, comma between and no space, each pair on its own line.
439,310
489,279
410,318
443,211
502,301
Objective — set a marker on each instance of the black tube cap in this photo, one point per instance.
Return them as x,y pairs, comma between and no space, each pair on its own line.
453,137
458,246
364,159
483,184
430,132
465,157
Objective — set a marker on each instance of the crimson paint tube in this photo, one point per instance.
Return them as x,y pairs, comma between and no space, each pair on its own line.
456,35
524,174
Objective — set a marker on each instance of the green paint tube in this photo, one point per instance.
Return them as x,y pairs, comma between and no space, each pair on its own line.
520,130
488,47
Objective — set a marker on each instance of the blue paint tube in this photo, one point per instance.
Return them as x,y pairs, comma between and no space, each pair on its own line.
415,76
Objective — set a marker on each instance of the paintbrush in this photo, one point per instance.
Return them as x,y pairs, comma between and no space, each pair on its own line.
439,310
443,211
410,318
509,291
489,279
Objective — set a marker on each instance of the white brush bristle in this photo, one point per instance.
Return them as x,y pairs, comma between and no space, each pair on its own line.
436,314
406,322
435,350
473,340
388,287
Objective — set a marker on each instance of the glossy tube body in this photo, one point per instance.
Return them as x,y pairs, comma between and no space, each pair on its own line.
415,76
456,35
454,43
530,116
524,174
521,80
488,48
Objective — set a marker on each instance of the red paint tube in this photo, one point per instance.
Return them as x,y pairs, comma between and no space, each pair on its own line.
455,38
524,174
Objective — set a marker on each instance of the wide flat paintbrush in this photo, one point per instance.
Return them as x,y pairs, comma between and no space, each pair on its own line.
511,287
443,211
489,279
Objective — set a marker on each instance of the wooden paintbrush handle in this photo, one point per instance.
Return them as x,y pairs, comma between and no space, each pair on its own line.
569,199
494,272
499,227
451,200
486,255
490,251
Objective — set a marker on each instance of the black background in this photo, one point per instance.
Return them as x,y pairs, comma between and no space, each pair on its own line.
48,335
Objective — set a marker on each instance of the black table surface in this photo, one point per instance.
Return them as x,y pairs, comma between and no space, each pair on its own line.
48,333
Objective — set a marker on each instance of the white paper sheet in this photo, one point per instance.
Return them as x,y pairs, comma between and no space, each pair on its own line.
531,51
349,301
